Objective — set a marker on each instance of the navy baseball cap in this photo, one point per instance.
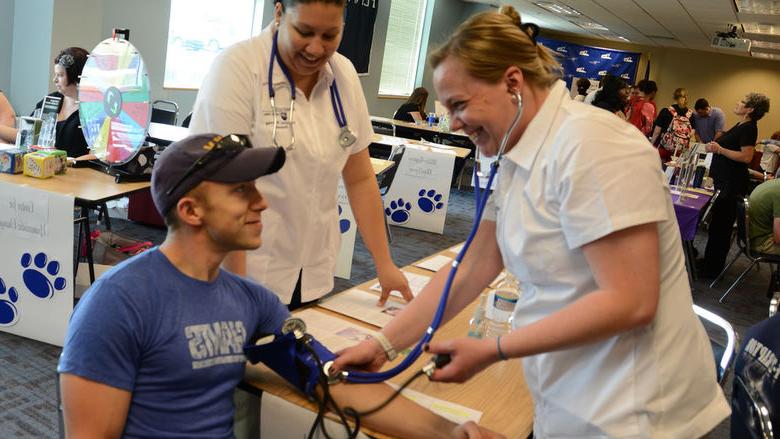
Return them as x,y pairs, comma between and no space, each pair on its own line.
174,174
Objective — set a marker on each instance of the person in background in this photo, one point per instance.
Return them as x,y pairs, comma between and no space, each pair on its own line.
709,121
583,84
592,95
771,149
327,138
68,65
642,108
756,366
613,96
416,102
729,169
764,217
7,120
155,346
581,216
674,126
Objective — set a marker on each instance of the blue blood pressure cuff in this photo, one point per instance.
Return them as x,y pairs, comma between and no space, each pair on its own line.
294,355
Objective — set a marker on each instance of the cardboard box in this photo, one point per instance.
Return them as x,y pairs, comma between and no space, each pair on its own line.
39,165
11,161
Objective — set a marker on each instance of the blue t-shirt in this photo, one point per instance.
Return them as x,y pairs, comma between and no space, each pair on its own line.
708,126
173,341
758,366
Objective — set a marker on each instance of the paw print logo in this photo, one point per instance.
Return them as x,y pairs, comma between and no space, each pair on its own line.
38,282
344,224
8,312
399,211
430,201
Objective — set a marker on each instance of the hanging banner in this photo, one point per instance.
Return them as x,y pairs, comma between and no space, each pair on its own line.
592,62
359,33
36,263
418,197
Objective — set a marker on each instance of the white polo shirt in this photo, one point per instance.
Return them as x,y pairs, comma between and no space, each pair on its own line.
578,174
300,226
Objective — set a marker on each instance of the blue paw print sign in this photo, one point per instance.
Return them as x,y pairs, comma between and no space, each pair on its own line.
347,232
417,198
399,211
36,262
41,278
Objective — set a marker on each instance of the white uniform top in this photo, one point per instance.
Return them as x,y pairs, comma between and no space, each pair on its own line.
300,226
578,174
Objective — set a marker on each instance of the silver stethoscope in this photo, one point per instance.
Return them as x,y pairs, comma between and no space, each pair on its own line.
346,137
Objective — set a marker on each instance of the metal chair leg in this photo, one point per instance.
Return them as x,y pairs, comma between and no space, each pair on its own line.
744,272
725,269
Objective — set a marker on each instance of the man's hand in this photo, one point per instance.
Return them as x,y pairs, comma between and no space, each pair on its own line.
367,355
468,356
471,430
393,279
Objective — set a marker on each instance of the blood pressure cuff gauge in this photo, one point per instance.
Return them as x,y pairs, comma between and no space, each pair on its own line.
293,354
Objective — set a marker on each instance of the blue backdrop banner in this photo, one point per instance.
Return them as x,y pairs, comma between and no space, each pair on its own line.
591,62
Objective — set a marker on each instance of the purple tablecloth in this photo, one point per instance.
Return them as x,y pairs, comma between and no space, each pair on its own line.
687,210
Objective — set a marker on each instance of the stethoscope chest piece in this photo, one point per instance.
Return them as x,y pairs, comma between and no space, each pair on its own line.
346,138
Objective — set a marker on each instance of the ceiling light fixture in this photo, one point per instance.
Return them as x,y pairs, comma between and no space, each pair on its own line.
765,55
557,8
590,25
758,7
761,29
766,45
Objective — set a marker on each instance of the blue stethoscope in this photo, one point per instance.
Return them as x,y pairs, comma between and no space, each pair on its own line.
346,137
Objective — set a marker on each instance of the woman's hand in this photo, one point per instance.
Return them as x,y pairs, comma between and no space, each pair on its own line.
713,147
392,279
468,356
367,355
470,430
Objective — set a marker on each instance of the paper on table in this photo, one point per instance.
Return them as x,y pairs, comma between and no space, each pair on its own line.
687,194
416,284
390,140
456,248
333,332
361,305
435,263
448,410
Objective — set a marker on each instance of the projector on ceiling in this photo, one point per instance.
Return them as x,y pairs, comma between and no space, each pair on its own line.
731,43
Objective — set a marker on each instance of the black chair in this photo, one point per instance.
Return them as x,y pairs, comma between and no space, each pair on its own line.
743,241
707,215
166,112
749,409
724,353
186,122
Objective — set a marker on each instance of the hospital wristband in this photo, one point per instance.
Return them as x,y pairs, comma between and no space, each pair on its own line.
386,345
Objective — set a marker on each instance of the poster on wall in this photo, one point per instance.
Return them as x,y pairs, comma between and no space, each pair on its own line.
348,230
593,62
359,33
418,196
36,263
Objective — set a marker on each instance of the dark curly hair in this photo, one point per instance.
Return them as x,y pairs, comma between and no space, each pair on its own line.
72,59
759,103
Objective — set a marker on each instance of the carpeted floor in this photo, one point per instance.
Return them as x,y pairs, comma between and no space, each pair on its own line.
27,368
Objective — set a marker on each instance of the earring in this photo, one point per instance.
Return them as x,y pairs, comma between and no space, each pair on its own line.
514,96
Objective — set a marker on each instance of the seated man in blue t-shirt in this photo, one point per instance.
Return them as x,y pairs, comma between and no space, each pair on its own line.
155,347
758,367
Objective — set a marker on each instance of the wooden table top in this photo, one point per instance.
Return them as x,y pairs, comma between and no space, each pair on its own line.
384,139
85,184
380,165
412,125
500,391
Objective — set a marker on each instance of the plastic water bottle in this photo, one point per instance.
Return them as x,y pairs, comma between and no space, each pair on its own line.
476,324
444,123
500,306
431,119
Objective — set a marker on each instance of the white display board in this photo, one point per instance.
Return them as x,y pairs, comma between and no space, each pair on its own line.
36,263
420,191
348,229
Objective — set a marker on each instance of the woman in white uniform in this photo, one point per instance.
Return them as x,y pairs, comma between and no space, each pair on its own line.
288,87
581,215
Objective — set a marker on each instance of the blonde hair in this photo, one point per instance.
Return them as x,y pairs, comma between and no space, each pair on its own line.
490,42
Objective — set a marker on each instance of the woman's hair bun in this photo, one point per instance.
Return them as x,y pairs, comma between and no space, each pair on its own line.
510,12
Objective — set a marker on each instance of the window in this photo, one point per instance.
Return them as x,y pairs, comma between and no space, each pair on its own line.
198,31
402,48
